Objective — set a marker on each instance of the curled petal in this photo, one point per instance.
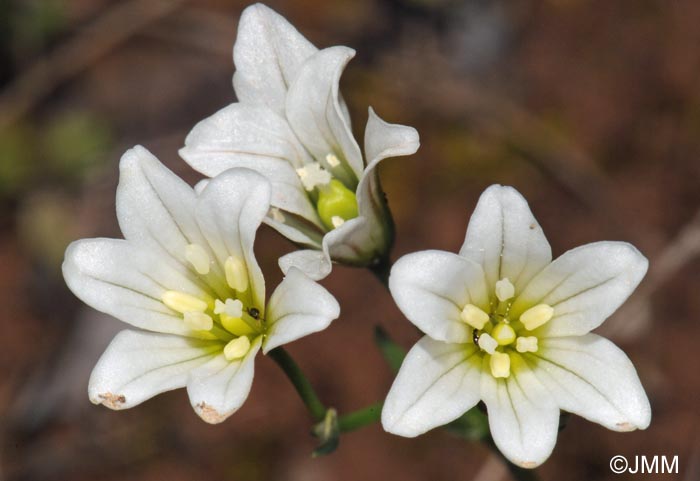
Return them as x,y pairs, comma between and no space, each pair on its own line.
584,286
504,237
432,287
316,116
219,387
138,365
437,383
590,376
297,308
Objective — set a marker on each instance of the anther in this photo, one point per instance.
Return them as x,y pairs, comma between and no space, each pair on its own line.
198,257
504,289
277,214
332,160
500,364
237,348
337,221
526,344
182,302
536,316
487,343
474,316
236,274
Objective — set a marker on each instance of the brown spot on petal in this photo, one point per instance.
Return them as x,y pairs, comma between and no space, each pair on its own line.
209,414
532,226
112,401
528,464
625,426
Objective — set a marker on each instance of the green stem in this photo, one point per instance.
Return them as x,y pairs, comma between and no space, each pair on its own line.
360,418
301,384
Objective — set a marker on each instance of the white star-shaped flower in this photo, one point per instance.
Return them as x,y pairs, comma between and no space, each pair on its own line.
507,325
292,125
186,275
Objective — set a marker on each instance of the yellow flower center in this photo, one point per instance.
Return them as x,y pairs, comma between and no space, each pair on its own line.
230,317
497,335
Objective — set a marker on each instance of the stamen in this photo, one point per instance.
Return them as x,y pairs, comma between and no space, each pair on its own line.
503,333
198,321
198,257
536,316
337,221
500,364
312,175
504,289
237,348
332,160
474,316
526,344
487,343
277,214
236,274
232,307
182,302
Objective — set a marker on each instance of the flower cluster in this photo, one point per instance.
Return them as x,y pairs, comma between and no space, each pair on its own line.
503,323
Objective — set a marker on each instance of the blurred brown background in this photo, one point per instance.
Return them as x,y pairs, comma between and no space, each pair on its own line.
590,108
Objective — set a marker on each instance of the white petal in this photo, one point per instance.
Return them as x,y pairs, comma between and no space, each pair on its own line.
382,140
297,308
591,377
218,388
504,237
431,288
268,54
229,211
316,264
296,230
523,417
584,286
314,112
138,365
154,206
437,383
127,282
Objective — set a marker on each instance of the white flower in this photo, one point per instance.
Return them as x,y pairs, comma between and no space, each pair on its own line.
292,126
507,325
187,273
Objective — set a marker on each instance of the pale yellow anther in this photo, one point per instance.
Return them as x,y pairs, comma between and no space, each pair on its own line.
337,221
236,274
504,289
536,316
237,348
232,307
312,175
182,303
474,316
198,257
487,343
500,364
198,321
526,344
277,214
503,334
332,160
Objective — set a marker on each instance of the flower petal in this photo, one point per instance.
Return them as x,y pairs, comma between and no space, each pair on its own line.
127,282
431,288
523,418
138,365
504,237
155,207
584,286
316,264
229,211
297,308
437,383
218,388
315,114
590,376
268,54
